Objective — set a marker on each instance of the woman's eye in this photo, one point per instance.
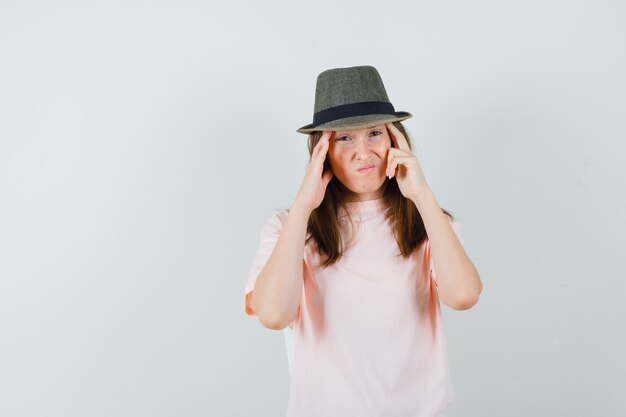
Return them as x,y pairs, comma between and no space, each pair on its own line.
378,132
341,137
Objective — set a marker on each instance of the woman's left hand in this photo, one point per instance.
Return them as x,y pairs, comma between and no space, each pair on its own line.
402,163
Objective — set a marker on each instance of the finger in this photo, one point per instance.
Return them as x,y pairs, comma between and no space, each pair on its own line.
323,142
394,152
397,136
317,146
389,158
407,161
317,161
400,152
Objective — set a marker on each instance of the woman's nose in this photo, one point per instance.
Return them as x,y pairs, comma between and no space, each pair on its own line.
362,147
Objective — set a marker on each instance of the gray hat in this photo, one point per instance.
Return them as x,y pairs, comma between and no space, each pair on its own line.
351,98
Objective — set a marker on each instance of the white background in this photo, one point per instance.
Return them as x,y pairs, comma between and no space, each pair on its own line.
144,144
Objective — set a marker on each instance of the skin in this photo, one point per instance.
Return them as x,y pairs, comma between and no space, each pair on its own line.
278,289
459,284
353,149
349,150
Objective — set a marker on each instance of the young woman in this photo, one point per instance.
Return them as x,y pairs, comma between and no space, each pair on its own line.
351,265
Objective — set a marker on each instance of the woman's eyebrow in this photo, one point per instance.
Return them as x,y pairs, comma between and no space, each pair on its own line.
348,132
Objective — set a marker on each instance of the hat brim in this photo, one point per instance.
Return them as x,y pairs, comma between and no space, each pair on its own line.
356,122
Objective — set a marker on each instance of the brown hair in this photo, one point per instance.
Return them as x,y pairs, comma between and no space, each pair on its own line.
323,224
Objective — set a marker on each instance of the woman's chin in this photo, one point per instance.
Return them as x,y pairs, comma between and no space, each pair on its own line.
366,188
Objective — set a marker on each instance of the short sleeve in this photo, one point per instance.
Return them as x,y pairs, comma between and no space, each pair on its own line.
431,266
269,237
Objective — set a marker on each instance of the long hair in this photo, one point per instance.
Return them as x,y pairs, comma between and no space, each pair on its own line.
403,216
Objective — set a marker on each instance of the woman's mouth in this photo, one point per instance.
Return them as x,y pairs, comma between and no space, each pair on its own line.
366,169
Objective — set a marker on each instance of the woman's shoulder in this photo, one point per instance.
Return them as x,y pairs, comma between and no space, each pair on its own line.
276,218
281,213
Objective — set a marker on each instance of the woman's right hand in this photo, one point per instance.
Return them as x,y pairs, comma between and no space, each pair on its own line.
313,187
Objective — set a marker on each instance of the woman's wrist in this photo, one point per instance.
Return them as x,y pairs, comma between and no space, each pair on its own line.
423,196
301,208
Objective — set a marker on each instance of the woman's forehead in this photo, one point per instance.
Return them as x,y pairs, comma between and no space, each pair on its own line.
337,132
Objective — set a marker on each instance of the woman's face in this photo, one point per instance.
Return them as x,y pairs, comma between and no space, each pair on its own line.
358,159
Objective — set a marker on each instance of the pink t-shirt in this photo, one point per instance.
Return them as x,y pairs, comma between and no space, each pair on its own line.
368,339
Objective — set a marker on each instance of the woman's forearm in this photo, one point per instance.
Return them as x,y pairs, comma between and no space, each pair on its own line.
459,284
278,288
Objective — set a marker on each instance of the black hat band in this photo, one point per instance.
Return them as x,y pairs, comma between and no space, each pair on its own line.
352,109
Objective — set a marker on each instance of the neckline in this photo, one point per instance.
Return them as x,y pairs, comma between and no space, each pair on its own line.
367,205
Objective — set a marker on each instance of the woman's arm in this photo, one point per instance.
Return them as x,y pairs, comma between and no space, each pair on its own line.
458,283
278,288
